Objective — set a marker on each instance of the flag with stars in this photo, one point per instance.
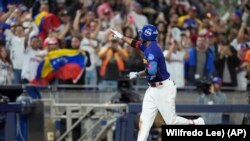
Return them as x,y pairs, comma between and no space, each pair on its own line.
64,64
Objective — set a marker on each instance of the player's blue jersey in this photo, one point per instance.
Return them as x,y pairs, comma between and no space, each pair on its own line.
153,53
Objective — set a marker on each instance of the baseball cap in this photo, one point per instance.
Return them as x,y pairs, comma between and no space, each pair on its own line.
238,13
217,80
193,9
190,23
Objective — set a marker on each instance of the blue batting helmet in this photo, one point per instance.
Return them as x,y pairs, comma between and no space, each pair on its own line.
149,32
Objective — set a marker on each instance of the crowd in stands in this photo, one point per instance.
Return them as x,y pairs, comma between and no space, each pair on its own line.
199,38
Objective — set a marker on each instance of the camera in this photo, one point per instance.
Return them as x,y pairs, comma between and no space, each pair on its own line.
203,85
125,92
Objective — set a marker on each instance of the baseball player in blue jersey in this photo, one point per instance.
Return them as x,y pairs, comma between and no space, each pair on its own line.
161,94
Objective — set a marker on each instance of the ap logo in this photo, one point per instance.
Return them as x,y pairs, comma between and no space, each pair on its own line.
148,32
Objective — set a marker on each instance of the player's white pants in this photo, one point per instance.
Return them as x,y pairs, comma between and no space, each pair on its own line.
160,98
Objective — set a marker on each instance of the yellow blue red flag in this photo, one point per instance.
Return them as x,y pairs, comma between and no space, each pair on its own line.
40,17
63,64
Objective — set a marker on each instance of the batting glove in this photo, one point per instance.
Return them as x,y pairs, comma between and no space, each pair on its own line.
133,75
117,34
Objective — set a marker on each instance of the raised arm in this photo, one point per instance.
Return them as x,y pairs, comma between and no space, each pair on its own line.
76,21
132,42
5,16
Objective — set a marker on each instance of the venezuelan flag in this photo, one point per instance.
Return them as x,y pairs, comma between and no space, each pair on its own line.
40,17
63,64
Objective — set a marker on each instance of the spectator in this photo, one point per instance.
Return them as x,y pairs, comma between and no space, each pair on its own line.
190,19
31,63
50,44
246,118
82,19
242,68
105,10
5,15
17,42
29,24
88,23
173,30
191,22
209,10
175,57
233,24
65,24
31,60
113,63
75,44
212,96
6,69
185,41
226,62
62,33
53,44
136,13
3,26
46,21
201,61
124,19
15,17
162,34
211,36
247,64
90,45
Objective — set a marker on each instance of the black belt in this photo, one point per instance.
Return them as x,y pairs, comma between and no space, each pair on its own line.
156,84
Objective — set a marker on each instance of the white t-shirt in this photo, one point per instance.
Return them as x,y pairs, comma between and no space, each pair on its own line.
17,49
86,45
31,62
176,67
6,73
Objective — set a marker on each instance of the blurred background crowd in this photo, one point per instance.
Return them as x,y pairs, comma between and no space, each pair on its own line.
199,38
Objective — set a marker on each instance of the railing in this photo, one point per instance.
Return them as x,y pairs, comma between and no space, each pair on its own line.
95,87
96,131
70,127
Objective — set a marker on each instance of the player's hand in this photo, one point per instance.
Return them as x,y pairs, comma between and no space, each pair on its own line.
116,33
133,75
